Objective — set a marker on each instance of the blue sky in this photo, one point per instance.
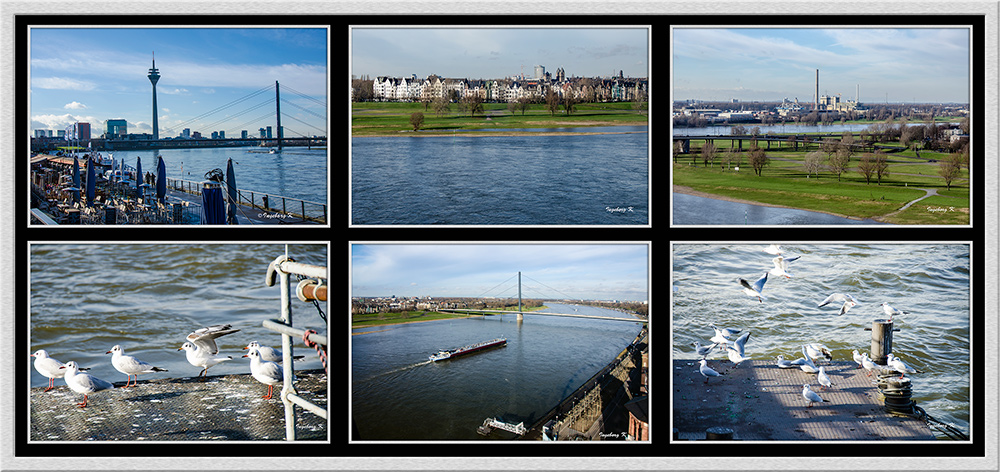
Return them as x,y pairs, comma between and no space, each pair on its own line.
591,271
917,64
498,52
95,74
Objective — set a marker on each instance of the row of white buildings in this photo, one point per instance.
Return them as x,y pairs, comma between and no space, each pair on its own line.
509,90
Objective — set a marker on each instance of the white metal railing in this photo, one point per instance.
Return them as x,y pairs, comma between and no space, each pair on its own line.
278,271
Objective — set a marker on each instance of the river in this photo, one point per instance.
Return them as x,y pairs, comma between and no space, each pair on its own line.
86,298
694,210
398,394
503,180
295,172
931,281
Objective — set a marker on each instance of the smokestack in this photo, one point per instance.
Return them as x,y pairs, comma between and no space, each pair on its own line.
817,90
857,95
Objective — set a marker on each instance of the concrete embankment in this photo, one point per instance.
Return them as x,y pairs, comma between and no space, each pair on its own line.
596,410
226,407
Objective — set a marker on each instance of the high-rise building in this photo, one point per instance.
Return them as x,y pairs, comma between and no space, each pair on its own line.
186,133
81,131
115,129
539,72
243,134
154,76
269,132
222,135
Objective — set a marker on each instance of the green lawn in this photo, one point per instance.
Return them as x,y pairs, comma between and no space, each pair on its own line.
784,182
391,118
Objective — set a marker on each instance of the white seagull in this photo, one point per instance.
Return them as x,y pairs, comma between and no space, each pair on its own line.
783,364
817,350
48,367
773,249
781,266
740,342
265,372
823,379
755,289
707,371
899,366
83,383
891,311
735,356
129,365
200,347
807,366
857,358
867,363
268,353
811,396
849,302
724,332
703,351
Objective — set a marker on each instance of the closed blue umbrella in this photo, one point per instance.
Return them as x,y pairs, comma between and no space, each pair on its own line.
76,180
138,177
161,179
91,182
213,211
231,189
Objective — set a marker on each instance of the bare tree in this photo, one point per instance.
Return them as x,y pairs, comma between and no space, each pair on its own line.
441,106
473,103
951,168
569,102
838,162
552,101
881,165
813,162
708,153
866,166
523,104
732,157
757,158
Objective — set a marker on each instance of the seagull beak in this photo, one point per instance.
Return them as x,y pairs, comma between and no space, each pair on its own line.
245,355
180,349
109,352
62,367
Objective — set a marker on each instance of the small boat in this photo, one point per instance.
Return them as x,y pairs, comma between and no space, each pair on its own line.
460,351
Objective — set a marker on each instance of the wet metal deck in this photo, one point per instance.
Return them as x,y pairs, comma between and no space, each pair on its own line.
759,401
226,407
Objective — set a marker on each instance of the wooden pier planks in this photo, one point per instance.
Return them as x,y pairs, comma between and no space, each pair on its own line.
759,401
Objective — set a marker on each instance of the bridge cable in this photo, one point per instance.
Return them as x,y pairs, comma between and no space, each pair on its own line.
497,285
550,288
305,96
227,105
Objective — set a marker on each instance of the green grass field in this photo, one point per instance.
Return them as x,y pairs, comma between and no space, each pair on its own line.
393,118
784,182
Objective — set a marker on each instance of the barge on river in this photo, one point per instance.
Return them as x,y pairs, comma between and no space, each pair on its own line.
461,351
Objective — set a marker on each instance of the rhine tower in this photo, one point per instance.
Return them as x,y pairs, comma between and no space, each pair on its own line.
154,75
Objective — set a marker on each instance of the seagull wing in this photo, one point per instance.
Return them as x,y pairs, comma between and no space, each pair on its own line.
204,338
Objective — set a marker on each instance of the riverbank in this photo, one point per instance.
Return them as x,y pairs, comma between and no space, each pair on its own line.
390,319
690,191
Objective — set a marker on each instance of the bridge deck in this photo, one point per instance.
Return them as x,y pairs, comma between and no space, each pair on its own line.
759,401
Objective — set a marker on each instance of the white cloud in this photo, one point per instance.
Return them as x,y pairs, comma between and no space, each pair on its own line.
59,83
62,121
75,106
174,91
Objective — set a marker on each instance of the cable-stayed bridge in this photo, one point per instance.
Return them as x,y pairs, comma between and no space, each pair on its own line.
520,312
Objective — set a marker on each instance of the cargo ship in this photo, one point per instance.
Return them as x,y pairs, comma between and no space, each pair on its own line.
461,351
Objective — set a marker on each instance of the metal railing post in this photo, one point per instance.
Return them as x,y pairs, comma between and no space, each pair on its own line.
287,365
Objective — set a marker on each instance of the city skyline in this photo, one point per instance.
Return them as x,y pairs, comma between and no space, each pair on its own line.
591,271
493,53
96,74
913,65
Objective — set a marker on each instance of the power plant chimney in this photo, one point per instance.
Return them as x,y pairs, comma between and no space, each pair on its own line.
817,90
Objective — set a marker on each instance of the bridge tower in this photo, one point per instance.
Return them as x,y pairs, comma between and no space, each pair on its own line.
154,76
277,105
520,315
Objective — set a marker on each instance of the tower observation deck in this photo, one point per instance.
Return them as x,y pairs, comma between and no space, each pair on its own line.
154,76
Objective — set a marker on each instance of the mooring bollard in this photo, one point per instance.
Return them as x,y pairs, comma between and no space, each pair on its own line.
719,433
897,393
881,340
